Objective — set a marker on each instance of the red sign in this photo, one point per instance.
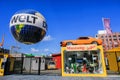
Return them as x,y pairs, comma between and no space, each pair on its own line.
81,47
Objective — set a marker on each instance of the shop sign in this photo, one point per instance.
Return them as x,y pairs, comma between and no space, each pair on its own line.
81,47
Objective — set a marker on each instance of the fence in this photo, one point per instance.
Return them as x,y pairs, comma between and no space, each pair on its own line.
23,65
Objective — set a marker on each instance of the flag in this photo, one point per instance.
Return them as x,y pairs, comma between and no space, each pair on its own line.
106,24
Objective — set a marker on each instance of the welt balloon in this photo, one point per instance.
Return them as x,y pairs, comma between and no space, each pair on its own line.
28,26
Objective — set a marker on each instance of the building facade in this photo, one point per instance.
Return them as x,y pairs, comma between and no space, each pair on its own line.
57,59
109,40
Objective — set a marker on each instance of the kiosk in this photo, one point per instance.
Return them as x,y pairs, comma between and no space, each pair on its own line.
83,60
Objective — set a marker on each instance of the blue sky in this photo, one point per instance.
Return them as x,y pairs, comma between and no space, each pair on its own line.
66,19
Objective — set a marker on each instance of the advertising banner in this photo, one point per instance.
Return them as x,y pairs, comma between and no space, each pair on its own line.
106,24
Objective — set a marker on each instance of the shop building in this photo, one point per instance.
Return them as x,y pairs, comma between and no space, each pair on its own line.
83,60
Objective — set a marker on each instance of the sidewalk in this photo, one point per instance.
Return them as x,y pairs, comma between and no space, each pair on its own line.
44,77
56,75
112,73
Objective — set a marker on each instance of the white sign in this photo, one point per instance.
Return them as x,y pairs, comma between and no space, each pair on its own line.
27,19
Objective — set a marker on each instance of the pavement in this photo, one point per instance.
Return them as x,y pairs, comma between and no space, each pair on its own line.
56,75
45,77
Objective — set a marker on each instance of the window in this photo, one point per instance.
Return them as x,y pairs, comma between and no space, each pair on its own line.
110,39
51,63
96,36
101,36
43,61
82,61
36,61
114,35
118,35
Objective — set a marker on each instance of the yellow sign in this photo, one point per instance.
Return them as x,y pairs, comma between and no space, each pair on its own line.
81,47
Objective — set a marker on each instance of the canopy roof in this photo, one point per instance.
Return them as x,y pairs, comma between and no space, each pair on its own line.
29,55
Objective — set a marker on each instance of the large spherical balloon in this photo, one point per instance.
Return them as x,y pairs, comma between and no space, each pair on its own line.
28,26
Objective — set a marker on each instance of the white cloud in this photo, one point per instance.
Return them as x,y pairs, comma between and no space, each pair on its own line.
47,38
34,50
46,50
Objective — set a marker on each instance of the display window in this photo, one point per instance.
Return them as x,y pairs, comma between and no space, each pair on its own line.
83,60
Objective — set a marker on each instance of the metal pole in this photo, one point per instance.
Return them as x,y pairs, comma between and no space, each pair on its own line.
39,65
30,65
22,59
